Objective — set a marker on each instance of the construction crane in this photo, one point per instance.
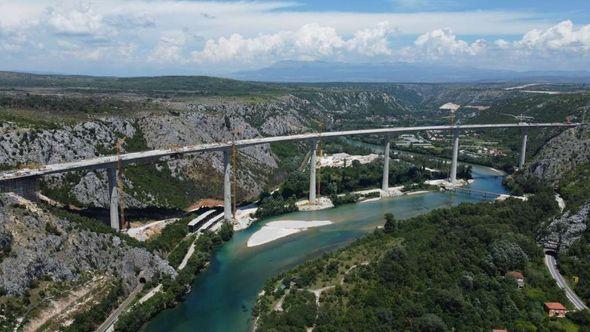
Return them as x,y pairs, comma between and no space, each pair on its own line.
121,184
451,117
521,117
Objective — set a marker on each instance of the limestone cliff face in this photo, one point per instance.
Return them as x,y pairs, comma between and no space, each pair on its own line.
37,244
568,228
561,155
555,160
184,123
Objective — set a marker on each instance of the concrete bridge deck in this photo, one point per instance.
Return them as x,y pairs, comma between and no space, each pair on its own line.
24,181
154,155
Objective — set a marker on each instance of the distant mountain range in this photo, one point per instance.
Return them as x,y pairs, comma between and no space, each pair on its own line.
316,71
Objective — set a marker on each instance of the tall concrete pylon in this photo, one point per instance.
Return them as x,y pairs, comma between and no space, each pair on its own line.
227,213
312,168
525,135
385,183
453,176
113,198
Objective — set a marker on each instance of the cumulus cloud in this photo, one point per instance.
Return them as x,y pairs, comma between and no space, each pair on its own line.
236,35
76,21
562,36
442,42
310,42
170,47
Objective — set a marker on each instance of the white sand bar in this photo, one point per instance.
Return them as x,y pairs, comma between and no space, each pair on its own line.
278,229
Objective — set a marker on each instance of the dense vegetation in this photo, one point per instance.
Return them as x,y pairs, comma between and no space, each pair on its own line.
438,272
575,189
338,183
173,290
91,319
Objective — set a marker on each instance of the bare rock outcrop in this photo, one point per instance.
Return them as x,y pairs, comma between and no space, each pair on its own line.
561,155
566,229
38,244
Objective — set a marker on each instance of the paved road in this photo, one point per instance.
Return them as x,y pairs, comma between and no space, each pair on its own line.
574,299
106,326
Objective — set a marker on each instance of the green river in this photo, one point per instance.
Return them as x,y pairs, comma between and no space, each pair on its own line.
223,295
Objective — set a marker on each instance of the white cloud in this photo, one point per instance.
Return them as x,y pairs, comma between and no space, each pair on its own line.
442,42
76,21
558,37
373,41
310,42
170,47
193,35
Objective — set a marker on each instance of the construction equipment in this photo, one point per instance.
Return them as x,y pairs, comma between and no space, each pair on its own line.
521,117
121,184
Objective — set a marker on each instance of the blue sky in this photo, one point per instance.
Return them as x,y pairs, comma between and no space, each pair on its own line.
153,37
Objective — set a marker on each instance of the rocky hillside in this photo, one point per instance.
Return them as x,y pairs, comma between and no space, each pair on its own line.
35,244
561,155
170,122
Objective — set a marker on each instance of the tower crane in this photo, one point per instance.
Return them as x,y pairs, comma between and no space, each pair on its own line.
521,117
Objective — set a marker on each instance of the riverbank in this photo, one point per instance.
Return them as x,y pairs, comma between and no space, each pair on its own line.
222,297
278,229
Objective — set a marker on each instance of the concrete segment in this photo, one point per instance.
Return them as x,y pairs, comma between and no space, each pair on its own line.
227,213
453,176
385,183
525,135
154,155
113,198
312,168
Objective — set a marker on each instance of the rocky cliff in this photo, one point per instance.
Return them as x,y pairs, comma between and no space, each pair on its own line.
179,123
561,155
35,244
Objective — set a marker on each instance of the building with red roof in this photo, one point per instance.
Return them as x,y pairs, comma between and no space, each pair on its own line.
555,309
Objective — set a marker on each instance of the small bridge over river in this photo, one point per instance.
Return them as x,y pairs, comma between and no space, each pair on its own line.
24,181
475,193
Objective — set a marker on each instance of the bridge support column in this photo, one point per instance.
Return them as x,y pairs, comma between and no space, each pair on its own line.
453,175
312,168
227,213
113,198
385,183
525,135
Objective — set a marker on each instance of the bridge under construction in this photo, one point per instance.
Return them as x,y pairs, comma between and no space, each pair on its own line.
24,181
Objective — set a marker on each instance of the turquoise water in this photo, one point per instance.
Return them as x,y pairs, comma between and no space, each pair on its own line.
222,296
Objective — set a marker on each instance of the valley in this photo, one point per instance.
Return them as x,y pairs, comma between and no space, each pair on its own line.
48,119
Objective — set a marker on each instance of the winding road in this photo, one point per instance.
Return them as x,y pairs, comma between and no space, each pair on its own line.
109,323
574,299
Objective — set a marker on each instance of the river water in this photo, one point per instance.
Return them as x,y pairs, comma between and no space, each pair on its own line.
223,295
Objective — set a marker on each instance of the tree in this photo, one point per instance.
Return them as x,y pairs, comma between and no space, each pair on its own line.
226,232
390,223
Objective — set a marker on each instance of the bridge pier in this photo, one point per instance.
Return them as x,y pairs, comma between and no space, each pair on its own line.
525,135
26,187
227,212
453,175
312,168
112,175
385,183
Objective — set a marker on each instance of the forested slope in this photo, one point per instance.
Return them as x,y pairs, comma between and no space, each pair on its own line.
439,272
